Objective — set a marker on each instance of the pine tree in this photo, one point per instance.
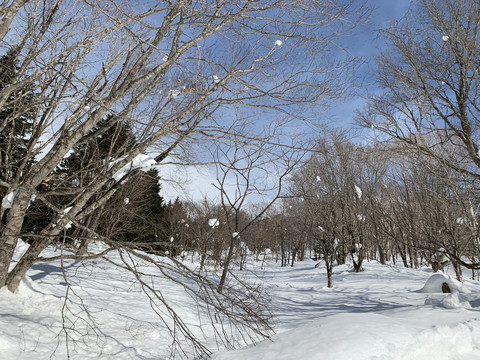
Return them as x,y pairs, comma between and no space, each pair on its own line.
16,121
174,226
87,159
132,214
145,224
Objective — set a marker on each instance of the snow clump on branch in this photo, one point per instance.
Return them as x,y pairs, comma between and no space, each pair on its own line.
213,222
8,200
141,162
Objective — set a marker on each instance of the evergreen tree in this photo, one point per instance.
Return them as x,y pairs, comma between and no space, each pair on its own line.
79,168
87,159
16,122
145,224
132,214
175,226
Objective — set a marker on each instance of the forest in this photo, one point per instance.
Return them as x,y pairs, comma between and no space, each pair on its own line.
98,98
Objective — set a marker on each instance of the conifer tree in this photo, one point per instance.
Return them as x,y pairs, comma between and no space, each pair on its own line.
16,122
146,220
80,168
133,214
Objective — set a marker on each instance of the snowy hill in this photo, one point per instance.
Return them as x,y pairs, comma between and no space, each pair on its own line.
385,312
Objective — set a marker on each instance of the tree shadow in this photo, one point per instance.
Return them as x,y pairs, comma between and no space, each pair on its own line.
45,269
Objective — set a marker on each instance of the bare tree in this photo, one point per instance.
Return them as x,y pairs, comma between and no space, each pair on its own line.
205,231
340,187
429,76
430,82
9,10
161,73
173,71
244,172
443,220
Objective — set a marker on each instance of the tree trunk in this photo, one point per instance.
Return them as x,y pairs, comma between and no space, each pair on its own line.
226,266
403,255
294,255
382,256
11,232
284,258
16,275
202,260
83,248
458,270
329,274
18,272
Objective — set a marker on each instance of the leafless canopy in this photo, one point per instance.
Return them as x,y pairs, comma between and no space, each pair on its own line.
430,82
175,72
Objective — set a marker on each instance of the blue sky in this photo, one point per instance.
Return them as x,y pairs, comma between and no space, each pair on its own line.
364,43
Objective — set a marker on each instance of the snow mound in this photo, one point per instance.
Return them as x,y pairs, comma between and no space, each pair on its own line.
455,300
435,282
366,337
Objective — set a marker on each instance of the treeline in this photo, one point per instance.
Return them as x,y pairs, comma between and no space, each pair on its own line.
351,202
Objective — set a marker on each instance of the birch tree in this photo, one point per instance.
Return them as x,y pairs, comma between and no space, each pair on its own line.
165,68
175,72
430,85
429,74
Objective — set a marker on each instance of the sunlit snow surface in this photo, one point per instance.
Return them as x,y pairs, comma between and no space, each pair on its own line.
385,312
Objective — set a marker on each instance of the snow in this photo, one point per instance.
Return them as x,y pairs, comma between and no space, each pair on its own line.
384,312
434,284
213,222
173,94
32,199
445,38
141,161
455,300
65,211
7,201
278,42
358,191
216,79
375,314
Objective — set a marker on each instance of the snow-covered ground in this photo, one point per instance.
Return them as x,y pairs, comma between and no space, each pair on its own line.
385,312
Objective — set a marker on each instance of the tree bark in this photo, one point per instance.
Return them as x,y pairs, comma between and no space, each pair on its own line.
11,231
7,14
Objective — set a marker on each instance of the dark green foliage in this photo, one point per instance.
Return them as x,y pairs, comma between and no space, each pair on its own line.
132,214
16,121
79,169
144,223
175,227
111,142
